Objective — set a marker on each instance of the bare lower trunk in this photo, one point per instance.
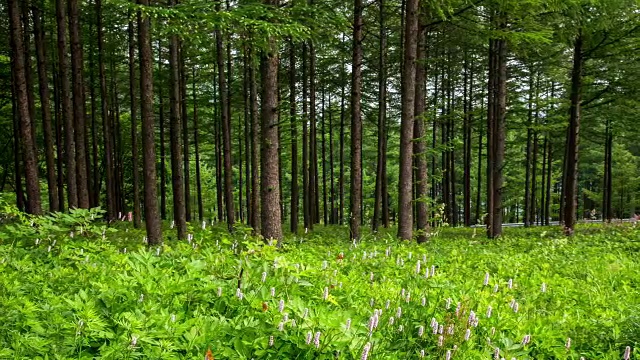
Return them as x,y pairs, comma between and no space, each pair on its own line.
43,82
419,145
379,196
255,149
295,197
356,121
152,218
134,129
571,178
405,182
33,205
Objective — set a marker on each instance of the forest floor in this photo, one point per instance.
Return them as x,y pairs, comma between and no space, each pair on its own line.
533,294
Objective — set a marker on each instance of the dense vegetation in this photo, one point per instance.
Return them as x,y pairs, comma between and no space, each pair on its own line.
111,296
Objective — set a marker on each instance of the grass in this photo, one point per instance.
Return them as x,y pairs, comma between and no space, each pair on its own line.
87,297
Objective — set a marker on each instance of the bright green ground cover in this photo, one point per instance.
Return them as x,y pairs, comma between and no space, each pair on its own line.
86,297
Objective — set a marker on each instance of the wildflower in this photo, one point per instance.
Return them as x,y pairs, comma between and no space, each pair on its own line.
308,339
348,325
204,224
450,329
486,279
627,353
467,335
141,298
281,305
271,340
448,303
325,293
273,292
510,284
238,292
512,303
516,306
440,340
324,264
391,320
496,354
400,328
543,288
399,312
371,276
448,356
440,329
134,340
219,291
493,331
285,317
157,251
316,340
365,351
264,276
433,322
458,309
526,340
402,292
420,331
293,322
433,270
422,353
424,301
241,296
371,302
173,317
305,313
408,298
386,306
495,288
567,345
489,310
418,267
472,317
426,273
281,326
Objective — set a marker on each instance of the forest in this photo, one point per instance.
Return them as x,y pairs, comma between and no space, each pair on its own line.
256,155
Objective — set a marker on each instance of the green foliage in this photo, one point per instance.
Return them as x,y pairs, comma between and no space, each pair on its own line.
118,299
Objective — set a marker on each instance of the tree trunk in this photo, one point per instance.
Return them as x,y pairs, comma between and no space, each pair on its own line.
152,218
324,164
499,135
177,170
163,166
295,197
305,144
255,148
342,116
134,129
381,176
356,121
313,151
269,179
247,133
79,112
405,182
527,182
27,136
226,129
45,107
218,142
479,184
333,217
185,131
547,209
109,169
196,143
17,146
534,166
571,178
67,112
419,141
608,188
58,128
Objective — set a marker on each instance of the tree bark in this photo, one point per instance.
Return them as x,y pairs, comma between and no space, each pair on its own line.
405,181
527,181
109,169
226,129
33,205
134,128
79,112
313,148
185,130
324,162
419,145
43,83
269,175
163,167
196,143
381,176
255,148
177,170
152,218
295,196
356,121
305,144
342,116
333,217
67,112
571,178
